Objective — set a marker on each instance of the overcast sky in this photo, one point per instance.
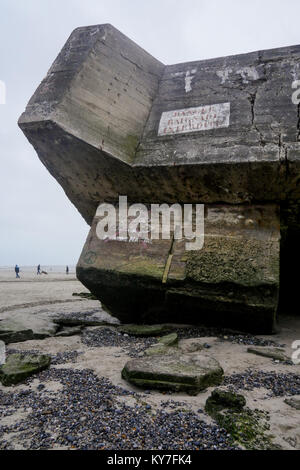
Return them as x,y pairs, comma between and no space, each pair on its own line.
38,224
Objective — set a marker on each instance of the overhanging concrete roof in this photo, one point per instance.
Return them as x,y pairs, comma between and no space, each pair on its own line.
110,119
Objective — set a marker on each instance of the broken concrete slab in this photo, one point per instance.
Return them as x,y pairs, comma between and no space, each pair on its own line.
189,373
293,402
166,345
278,354
169,340
191,345
14,333
20,328
20,366
69,331
93,317
144,330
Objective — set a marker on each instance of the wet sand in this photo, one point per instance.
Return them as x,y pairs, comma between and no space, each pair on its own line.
46,295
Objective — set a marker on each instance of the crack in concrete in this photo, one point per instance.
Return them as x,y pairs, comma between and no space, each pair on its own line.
252,99
283,159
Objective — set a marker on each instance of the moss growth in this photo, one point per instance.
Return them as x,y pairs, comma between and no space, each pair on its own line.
169,340
142,267
20,366
221,399
149,383
131,143
166,345
235,260
248,428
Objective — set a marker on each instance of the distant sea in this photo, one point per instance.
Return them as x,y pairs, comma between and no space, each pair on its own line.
48,269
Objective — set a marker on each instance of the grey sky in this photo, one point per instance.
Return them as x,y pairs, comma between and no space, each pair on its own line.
38,224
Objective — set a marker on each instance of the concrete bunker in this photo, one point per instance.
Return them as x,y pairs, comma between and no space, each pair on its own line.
109,120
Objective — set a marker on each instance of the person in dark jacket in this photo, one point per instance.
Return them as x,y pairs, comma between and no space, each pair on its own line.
17,270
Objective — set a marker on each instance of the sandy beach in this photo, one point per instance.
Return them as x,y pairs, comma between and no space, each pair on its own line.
84,384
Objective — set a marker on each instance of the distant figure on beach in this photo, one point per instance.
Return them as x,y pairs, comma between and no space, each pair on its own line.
39,269
17,270
67,270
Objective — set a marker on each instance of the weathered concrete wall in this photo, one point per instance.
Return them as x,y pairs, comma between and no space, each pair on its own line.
233,281
107,92
255,157
111,120
92,105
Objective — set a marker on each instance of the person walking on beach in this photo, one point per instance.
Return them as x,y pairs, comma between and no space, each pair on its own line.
17,270
39,269
67,270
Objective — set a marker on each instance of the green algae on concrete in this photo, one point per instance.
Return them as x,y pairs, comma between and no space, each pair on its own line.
166,345
188,373
169,340
246,427
143,268
221,399
159,349
235,260
20,366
